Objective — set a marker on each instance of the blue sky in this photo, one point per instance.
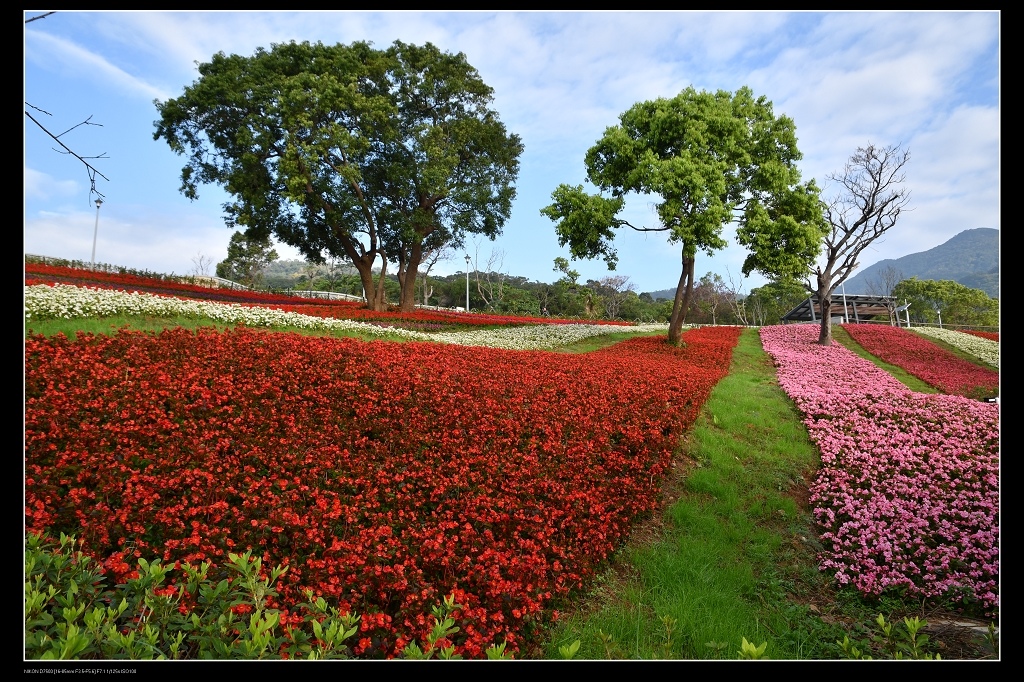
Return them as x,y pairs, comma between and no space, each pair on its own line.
926,80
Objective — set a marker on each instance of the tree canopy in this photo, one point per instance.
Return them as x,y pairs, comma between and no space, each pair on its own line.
768,303
955,304
248,258
349,151
712,159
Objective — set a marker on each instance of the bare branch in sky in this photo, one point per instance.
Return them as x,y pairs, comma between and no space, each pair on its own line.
90,169
41,16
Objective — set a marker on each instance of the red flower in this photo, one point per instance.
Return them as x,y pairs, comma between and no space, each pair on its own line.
499,476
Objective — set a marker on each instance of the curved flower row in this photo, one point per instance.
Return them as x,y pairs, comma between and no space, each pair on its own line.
991,336
36,273
66,301
538,337
449,317
980,347
924,359
384,475
59,274
907,497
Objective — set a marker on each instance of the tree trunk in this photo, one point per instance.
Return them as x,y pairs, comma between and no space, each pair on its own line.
374,299
363,262
825,336
381,295
681,304
407,279
401,274
825,303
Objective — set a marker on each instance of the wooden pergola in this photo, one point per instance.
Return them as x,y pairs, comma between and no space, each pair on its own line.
853,308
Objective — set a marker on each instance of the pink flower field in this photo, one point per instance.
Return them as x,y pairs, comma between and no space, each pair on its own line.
907,497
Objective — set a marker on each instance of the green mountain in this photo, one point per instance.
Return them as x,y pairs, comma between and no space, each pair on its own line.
970,258
667,294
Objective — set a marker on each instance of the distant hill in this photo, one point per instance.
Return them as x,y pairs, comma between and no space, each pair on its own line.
669,294
970,258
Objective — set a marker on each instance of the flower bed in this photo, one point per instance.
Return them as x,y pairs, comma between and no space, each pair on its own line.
67,302
383,475
925,360
981,347
36,273
907,497
991,336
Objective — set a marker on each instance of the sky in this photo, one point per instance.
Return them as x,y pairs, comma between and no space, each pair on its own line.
928,81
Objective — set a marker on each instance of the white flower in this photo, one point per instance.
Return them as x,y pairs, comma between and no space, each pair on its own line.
66,301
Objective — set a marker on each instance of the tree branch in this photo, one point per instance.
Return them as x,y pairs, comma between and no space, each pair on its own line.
643,229
41,16
91,170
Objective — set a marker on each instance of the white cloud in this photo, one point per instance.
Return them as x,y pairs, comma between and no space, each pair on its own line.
960,148
63,55
148,240
39,185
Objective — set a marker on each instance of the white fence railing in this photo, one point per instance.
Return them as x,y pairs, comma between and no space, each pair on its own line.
329,295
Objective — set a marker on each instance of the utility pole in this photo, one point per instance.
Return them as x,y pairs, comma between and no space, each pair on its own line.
467,282
95,232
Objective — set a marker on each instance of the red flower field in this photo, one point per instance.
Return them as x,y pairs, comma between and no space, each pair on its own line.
991,336
36,273
383,475
924,359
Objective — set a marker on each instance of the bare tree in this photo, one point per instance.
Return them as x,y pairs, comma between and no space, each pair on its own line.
709,295
333,270
201,265
310,271
758,315
430,259
868,200
614,289
738,301
492,287
883,284
544,296
90,170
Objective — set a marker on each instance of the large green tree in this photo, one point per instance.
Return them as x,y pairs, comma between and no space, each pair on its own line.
349,151
713,159
955,304
248,258
768,303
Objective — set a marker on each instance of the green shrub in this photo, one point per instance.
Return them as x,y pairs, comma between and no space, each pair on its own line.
71,614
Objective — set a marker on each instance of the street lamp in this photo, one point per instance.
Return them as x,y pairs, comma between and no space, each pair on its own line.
467,282
903,308
95,231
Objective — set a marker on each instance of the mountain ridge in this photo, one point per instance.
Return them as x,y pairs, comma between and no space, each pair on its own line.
971,258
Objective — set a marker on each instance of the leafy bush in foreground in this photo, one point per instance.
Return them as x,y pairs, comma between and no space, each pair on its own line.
182,612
